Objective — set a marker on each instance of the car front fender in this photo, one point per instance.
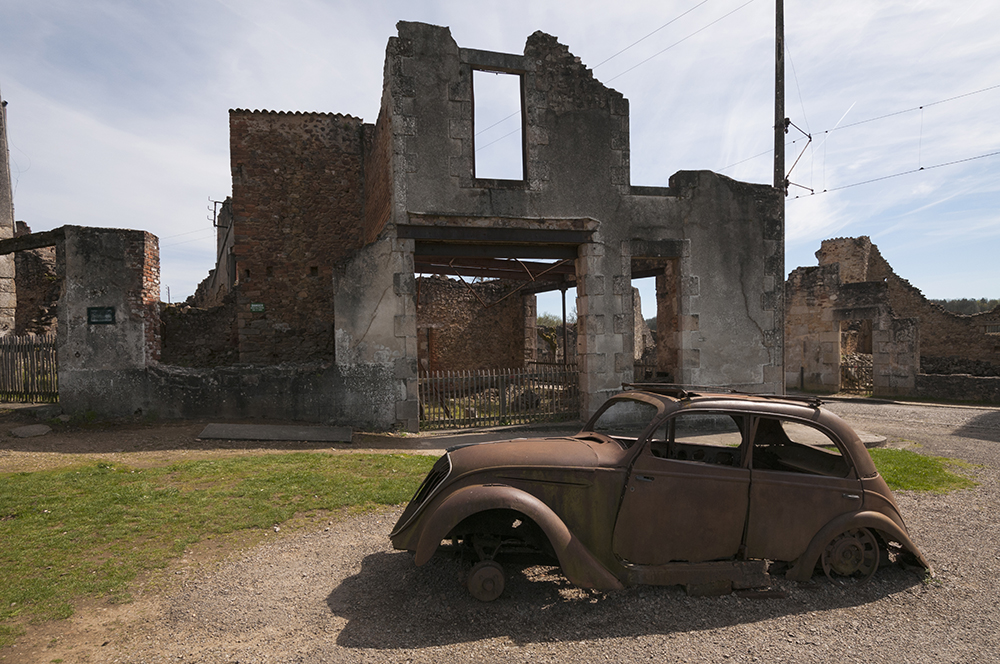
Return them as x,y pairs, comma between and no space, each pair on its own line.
803,568
577,562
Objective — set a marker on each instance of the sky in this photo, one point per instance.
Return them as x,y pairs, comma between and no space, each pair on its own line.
118,110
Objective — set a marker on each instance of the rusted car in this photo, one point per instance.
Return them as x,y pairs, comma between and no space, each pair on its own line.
664,486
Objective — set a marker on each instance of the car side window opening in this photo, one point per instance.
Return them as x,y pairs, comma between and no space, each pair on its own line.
713,438
796,447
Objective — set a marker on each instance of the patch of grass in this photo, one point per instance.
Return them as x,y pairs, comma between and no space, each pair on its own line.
90,530
903,469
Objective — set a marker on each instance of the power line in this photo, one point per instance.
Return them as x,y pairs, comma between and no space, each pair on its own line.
909,172
861,122
658,53
650,34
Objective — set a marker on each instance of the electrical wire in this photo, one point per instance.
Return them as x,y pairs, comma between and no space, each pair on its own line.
659,53
896,175
673,20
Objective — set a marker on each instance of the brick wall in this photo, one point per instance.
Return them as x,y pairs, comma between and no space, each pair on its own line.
456,330
142,255
298,187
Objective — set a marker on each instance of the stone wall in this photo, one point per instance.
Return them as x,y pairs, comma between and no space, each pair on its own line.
958,387
298,210
944,336
37,285
466,327
196,337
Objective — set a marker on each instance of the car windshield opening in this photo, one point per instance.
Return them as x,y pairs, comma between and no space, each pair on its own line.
624,420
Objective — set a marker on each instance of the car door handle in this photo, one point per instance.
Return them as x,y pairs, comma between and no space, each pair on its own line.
644,478
852,496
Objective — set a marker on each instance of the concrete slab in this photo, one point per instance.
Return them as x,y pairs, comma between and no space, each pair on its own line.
291,432
30,431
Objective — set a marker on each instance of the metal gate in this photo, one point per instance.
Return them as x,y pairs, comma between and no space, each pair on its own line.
28,371
456,399
857,374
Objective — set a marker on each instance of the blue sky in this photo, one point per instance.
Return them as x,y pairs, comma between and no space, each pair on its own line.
118,111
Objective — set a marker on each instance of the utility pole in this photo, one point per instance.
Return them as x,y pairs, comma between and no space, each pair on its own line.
780,183
779,101
8,297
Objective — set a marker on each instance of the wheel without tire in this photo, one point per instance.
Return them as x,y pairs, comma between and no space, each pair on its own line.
485,580
853,553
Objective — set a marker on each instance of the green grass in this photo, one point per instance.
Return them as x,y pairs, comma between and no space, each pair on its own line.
88,531
903,469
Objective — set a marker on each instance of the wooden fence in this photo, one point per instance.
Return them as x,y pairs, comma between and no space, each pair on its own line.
456,399
28,369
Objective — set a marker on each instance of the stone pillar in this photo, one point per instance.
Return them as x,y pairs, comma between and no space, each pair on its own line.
8,298
376,330
895,356
604,324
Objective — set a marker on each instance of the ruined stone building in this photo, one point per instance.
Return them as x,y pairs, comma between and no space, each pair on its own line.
853,302
328,247
332,219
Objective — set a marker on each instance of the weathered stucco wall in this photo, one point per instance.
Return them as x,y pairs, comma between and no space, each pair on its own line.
116,271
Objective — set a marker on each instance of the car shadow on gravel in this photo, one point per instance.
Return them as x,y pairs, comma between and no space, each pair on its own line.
393,604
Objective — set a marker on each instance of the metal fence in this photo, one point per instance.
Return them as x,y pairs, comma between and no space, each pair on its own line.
857,375
28,370
455,399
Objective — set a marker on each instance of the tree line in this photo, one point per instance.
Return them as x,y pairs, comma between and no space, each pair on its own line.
968,306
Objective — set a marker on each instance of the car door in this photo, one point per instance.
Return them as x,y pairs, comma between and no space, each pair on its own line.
687,492
800,481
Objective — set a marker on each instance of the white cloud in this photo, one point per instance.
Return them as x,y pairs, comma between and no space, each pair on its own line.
120,108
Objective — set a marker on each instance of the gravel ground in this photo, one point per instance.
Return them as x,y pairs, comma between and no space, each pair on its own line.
338,593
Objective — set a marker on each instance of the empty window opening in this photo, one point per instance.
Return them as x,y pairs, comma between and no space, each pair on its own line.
498,125
555,322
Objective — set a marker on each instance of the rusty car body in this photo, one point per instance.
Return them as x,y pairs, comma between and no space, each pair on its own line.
666,486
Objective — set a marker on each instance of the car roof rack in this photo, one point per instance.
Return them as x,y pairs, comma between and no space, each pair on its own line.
690,391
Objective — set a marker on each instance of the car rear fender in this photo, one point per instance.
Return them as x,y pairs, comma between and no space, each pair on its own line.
577,562
803,568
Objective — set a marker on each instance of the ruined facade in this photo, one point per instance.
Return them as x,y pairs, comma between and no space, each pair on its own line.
854,302
332,219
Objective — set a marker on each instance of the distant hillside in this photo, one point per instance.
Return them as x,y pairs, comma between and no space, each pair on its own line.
968,307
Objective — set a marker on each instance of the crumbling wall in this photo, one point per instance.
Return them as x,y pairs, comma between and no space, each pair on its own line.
947,340
196,337
37,285
812,334
475,326
298,209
